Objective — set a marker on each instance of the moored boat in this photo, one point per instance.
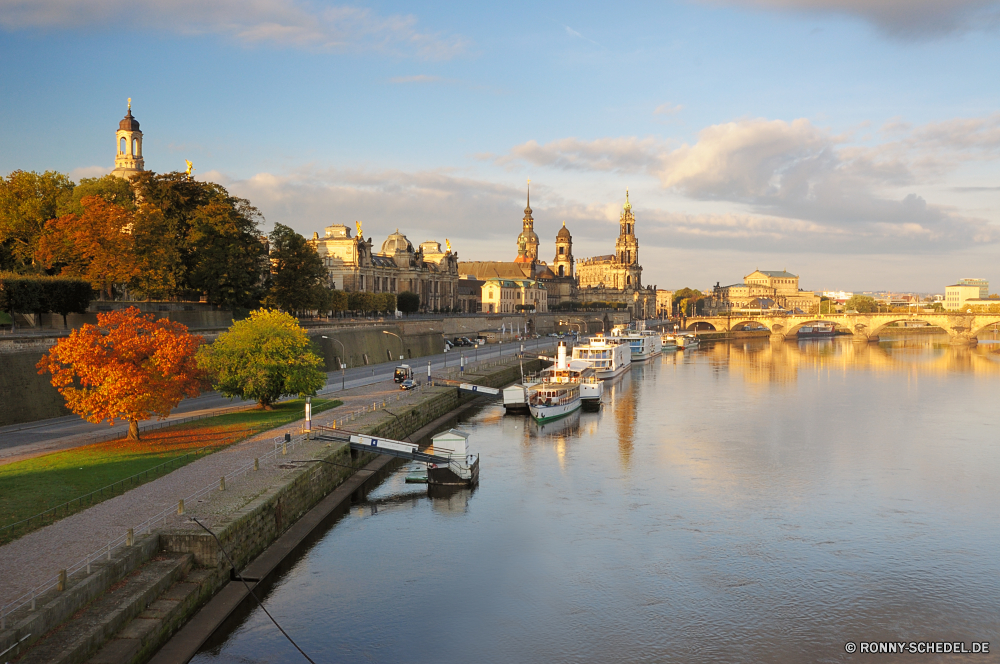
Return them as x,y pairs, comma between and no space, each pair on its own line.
687,341
669,342
644,344
609,357
558,394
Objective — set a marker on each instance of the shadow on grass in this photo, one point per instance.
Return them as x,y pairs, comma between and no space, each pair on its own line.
37,492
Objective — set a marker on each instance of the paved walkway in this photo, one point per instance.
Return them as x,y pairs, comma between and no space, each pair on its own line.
37,557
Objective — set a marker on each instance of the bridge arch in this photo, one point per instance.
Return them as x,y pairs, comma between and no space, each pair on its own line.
701,326
980,326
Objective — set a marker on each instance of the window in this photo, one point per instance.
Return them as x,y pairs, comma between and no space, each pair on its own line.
135,147
121,146
562,251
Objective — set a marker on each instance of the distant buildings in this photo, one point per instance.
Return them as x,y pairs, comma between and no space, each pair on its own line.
613,278
967,292
764,290
351,265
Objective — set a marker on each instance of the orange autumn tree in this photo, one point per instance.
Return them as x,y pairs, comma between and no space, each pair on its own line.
128,367
97,245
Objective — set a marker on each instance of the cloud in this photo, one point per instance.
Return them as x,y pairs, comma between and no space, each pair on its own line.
801,182
906,19
668,109
419,78
78,174
627,154
283,23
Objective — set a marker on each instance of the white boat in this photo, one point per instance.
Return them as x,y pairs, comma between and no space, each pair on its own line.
687,341
550,401
609,357
579,372
643,343
515,398
669,342
558,394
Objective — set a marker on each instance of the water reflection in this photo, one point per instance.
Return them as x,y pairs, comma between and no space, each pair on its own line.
748,503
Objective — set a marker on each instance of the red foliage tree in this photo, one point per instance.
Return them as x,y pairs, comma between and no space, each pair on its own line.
129,366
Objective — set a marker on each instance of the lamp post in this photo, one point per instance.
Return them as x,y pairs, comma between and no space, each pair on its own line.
343,352
400,341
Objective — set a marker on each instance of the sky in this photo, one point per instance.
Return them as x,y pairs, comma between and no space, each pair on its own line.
852,142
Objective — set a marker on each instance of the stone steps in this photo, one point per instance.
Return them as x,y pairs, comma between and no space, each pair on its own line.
78,638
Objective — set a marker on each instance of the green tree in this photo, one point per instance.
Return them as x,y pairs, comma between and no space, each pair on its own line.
296,271
202,241
863,304
338,301
27,201
408,302
263,357
115,190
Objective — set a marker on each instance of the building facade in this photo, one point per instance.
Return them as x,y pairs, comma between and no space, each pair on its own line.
958,295
765,289
351,265
128,138
614,278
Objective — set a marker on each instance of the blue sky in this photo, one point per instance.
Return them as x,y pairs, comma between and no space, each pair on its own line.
852,142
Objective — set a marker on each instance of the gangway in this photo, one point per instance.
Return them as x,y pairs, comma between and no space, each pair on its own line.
454,466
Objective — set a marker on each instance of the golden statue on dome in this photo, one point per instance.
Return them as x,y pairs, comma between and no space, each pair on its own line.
190,167
358,224
447,244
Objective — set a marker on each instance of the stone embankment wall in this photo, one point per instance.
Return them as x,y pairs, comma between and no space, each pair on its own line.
245,533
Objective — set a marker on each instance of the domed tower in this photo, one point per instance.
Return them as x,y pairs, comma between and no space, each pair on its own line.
129,161
562,264
627,247
528,239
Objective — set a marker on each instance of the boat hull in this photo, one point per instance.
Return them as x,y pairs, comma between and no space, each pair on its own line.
549,413
618,371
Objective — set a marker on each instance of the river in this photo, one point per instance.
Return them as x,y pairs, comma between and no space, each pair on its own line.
743,502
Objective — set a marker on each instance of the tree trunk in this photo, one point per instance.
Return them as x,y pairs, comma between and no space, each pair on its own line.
133,429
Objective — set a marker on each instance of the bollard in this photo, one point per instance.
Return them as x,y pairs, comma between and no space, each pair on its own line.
32,599
284,448
61,586
335,424
129,537
109,550
222,483
180,506
256,463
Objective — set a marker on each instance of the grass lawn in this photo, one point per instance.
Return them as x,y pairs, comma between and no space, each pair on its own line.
33,486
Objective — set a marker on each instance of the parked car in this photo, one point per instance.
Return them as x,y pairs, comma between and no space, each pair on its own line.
407,384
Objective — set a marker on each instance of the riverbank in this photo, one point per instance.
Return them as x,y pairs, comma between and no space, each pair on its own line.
183,564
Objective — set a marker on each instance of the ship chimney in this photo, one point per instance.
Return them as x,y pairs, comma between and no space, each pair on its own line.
561,356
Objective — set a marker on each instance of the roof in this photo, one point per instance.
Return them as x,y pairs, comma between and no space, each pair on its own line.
563,233
382,261
129,123
606,258
776,273
495,269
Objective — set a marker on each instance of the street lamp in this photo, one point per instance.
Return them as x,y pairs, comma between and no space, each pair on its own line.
400,341
343,352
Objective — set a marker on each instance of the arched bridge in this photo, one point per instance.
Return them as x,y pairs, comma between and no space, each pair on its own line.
961,328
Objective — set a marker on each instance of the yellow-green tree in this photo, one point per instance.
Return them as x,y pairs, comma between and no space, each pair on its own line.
263,358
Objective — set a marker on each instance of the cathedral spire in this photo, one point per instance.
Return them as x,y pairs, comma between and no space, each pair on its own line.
527,209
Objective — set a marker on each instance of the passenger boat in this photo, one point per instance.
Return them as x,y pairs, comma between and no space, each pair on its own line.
669,342
558,394
643,343
687,341
609,357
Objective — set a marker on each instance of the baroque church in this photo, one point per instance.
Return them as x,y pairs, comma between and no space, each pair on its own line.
613,277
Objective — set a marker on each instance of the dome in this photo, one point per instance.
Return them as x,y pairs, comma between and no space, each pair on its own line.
395,243
129,123
563,233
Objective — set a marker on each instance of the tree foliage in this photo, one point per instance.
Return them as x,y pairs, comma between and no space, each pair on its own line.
96,245
39,294
27,201
115,190
297,272
863,304
263,357
408,302
129,366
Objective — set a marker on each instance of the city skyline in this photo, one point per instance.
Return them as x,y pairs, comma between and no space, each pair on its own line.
856,147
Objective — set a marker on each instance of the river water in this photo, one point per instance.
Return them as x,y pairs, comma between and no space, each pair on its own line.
743,502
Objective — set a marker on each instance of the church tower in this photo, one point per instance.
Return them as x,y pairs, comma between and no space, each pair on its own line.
129,161
562,264
528,239
627,248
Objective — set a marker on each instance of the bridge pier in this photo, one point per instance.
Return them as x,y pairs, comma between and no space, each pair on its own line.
963,340
862,338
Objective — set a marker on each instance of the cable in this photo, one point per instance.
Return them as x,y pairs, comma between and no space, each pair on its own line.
259,603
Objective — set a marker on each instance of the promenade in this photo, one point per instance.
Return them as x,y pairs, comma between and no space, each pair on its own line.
33,560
